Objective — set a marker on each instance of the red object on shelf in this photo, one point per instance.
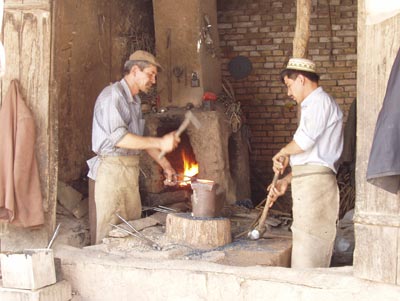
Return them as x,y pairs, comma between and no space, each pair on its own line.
209,96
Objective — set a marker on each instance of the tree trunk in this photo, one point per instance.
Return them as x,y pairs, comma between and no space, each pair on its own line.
200,233
302,33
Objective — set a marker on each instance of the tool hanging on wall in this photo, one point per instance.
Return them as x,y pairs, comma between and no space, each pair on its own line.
178,72
185,75
169,67
205,37
195,81
233,107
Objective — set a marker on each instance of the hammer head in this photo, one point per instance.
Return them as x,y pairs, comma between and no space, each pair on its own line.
193,119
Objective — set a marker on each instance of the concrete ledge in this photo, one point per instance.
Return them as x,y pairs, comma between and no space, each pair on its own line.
101,276
60,291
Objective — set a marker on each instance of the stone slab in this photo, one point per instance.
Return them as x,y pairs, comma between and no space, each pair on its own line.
265,252
60,291
100,276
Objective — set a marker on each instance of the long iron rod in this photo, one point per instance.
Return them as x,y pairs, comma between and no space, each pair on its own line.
54,236
136,231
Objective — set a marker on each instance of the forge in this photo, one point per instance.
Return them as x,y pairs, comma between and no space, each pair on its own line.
214,155
221,155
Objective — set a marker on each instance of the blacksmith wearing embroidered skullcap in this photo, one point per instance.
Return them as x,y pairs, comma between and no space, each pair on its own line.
303,66
312,153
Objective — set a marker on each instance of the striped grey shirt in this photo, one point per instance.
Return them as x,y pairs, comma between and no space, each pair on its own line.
115,114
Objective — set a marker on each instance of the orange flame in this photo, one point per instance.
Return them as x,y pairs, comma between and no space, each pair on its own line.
190,169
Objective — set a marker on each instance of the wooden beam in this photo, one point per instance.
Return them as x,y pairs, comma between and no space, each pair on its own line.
302,33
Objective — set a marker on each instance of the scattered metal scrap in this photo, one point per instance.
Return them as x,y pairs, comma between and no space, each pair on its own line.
136,233
54,236
159,208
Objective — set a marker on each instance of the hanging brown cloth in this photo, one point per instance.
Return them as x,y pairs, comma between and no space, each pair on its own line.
20,196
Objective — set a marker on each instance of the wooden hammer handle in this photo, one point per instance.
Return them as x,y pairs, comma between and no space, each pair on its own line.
267,204
178,133
182,127
268,200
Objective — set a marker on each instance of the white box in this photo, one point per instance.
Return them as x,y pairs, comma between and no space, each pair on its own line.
31,269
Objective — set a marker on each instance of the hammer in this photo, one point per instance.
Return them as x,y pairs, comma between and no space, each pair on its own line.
189,118
260,229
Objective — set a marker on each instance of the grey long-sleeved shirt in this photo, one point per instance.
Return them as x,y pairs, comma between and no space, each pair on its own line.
116,113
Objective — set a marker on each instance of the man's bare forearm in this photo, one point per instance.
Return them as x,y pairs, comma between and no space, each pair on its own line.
292,148
132,141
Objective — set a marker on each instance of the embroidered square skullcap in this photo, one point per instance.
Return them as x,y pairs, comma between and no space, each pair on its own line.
140,55
301,65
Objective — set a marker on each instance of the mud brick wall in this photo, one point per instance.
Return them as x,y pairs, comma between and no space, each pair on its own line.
93,38
263,31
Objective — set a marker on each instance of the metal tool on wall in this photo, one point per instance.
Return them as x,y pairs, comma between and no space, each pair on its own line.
169,65
195,81
178,72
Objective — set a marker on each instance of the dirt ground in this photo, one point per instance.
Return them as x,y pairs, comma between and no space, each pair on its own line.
276,241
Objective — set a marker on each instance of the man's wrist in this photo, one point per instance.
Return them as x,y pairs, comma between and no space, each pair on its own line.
284,152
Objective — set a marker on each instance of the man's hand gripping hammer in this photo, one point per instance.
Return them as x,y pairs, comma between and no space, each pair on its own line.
189,118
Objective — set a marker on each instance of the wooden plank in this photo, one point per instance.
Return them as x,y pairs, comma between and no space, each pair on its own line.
27,42
377,48
398,257
376,249
375,255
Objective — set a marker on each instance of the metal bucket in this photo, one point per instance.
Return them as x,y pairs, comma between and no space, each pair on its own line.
203,199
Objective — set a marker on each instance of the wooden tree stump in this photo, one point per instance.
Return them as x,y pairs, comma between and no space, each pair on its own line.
201,233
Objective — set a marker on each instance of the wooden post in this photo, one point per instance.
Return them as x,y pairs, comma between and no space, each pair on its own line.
27,38
302,33
376,217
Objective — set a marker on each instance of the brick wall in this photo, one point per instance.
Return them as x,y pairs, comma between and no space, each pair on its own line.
263,31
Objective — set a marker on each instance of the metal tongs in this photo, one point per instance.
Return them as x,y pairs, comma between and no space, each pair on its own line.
182,178
137,234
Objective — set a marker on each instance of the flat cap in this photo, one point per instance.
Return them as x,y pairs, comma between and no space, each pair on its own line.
141,55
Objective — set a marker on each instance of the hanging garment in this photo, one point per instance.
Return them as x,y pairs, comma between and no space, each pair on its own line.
20,196
384,160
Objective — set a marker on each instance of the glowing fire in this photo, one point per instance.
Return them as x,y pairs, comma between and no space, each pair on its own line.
190,169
